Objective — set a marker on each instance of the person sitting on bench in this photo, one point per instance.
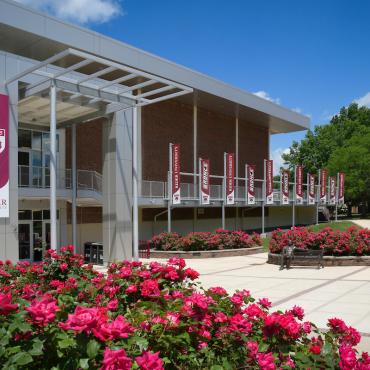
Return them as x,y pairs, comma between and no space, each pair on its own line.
286,255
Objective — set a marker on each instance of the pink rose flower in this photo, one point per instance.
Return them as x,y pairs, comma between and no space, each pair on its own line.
6,305
150,288
43,312
150,361
266,361
83,319
118,328
116,360
112,305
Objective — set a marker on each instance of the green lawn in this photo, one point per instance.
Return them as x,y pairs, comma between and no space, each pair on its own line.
339,225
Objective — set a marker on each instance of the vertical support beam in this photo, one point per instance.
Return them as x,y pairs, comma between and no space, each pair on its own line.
263,196
294,196
135,208
195,155
74,187
336,197
53,167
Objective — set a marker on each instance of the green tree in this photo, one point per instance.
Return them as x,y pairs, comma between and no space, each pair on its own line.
354,160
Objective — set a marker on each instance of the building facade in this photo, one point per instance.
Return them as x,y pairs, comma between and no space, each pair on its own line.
90,124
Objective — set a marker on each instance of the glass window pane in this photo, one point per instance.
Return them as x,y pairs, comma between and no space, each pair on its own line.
37,215
24,138
36,140
25,215
46,214
36,158
45,142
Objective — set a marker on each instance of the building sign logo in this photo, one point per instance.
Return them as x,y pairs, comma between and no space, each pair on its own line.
311,189
4,156
299,184
269,188
176,196
250,171
341,188
230,174
333,188
205,185
323,186
284,185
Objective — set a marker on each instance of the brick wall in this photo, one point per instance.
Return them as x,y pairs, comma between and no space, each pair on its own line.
88,146
85,215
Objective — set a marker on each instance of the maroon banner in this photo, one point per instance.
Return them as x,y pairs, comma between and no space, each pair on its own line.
341,188
333,190
230,178
205,186
311,189
323,185
250,173
4,156
269,178
176,196
299,184
284,179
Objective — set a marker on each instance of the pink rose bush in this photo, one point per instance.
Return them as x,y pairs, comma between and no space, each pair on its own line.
198,241
62,314
352,242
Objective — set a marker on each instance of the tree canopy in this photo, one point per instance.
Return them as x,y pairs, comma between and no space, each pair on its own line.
343,145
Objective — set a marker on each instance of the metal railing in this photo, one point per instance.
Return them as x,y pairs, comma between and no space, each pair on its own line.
39,177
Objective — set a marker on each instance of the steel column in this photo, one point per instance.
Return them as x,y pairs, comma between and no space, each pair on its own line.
263,196
223,194
169,190
53,166
74,187
294,197
135,208
318,197
336,197
236,169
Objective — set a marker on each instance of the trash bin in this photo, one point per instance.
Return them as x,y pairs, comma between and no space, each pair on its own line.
93,253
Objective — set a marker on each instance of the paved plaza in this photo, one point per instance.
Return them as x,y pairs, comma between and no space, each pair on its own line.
342,292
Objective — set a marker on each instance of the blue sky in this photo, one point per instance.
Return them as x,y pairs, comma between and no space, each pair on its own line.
312,56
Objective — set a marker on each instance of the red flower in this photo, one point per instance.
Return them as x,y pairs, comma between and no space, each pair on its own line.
63,266
266,361
118,328
264,302
150,288
43,312
150,361
6,305
112,305
116,360
191,274
315,349
347,357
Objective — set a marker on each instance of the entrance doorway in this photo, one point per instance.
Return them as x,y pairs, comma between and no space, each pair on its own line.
34,234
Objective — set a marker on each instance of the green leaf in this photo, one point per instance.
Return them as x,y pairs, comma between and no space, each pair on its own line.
263,347
84,363
92,348
21,358
37,347
66,343
217,367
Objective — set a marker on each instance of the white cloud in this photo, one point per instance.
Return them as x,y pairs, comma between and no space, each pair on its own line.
80,11
275,155
364,100
264,95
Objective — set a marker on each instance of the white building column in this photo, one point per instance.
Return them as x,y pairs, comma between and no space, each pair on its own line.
195,156
53,167
74,186
135,209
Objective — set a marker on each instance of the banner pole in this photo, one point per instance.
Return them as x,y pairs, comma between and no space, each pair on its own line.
336,197
294,195
318,197
263,196
224,193
169,191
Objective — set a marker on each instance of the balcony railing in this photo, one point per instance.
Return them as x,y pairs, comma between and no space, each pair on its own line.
39,177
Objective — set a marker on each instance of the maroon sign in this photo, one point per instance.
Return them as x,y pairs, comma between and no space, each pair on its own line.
299,184
269,169
176,196
230,175
333,189
284,178
323,185
250,171
205,186
311,189
4,156
341,188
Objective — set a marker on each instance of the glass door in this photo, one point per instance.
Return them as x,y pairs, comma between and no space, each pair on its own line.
46,234
24,167
25,240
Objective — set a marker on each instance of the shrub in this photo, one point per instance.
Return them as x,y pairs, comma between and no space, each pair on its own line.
217,240
352,242
63,315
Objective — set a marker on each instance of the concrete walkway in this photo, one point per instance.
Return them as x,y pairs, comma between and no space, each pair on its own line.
363,223
342,292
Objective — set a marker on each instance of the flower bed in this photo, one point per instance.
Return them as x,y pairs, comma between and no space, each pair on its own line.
63,315
352,242
205,241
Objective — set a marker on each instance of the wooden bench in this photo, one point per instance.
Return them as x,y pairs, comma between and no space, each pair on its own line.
291,255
